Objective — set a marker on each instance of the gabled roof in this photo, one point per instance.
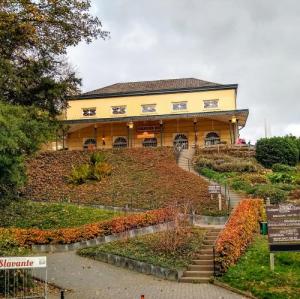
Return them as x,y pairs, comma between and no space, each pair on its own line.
157,85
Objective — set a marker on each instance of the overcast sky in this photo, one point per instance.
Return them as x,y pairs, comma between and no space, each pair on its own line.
253,43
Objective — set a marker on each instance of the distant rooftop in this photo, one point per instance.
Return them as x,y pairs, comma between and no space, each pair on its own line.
153,86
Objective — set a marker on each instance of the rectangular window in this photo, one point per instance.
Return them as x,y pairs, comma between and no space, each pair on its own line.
179,106
88,111
211,104
118,109
149,108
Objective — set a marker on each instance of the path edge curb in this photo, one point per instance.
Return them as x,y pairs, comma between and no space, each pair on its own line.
232,289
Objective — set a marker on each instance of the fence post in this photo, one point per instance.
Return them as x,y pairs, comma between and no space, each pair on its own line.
62,294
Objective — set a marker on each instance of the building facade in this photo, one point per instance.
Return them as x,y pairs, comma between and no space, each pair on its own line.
177,112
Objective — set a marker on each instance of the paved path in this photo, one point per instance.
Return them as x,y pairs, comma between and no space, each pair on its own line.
92,279
185,158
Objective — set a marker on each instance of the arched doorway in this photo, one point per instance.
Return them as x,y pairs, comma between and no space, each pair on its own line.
181,141
120,142
90,143
150,142
212,138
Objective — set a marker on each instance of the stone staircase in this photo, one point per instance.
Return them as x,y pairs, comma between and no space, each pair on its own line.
185,162
202,268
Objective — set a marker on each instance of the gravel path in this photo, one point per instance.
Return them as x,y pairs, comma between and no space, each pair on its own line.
90,279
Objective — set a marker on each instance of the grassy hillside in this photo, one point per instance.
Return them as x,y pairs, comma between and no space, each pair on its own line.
141,178
27,214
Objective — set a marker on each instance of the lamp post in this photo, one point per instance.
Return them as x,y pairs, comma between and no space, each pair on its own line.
161,126
195,131
130,127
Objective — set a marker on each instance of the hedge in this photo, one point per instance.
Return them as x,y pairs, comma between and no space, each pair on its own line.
27,237
273,150
238,232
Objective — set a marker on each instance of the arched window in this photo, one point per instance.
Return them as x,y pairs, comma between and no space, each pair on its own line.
150,142
89,143
181,141
212,138
120,142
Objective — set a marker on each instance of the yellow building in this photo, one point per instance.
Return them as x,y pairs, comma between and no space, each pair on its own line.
183,112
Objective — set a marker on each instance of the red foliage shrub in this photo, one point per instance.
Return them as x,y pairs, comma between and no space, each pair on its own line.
89,231
238,232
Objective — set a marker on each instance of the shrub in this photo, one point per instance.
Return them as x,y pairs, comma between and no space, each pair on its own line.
97,157
255,178
277,167
236,166
239,184
80,174
101,169
277,150
281,177
238,232
275,194
27,237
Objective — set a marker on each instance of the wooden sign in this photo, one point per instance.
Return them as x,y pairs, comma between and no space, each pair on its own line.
145,135
214,189
284,227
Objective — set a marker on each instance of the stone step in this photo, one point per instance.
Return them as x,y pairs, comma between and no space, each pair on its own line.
205,252
198,273
203,262
195,279
209,267
206,246
209,242
205,257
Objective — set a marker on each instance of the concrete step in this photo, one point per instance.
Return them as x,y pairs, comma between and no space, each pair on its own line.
205,257
206,246
201,267
198,273
195,279
206,251
209,242
203,262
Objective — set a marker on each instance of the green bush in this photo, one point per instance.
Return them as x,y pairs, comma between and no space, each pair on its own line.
239,184
275,194
97,157
236,166
277,150
80,174
281,177
277,167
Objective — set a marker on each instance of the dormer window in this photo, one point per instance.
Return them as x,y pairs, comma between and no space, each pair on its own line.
118,109
148,108
179,106
209,104
88,111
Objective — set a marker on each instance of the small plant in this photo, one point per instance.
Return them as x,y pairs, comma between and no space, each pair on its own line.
275,194
281,177
97,157
101,170
278,167
80,174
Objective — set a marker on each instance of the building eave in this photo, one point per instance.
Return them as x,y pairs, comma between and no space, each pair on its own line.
151,92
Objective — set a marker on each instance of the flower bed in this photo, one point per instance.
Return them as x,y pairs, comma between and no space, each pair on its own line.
238,232
27,237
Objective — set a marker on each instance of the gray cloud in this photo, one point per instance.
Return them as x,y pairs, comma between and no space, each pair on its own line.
253,43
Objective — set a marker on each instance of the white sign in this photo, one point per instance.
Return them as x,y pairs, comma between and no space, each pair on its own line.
23,262
214,189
